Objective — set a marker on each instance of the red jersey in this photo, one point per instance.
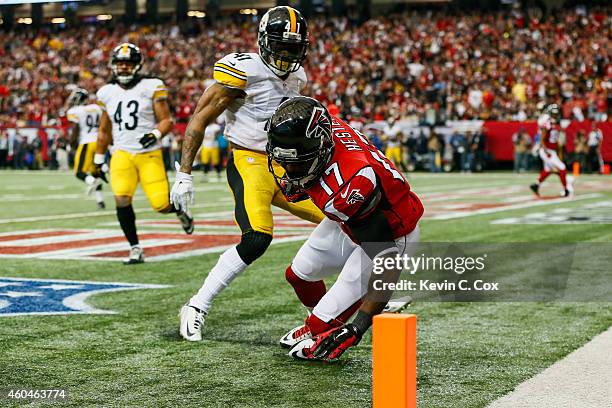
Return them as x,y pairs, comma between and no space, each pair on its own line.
550,137
356,172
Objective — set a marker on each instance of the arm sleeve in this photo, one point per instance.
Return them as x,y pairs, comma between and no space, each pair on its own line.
231,72
374,233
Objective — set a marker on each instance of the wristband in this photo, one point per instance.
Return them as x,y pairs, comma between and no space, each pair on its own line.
99,158
155,132
362,321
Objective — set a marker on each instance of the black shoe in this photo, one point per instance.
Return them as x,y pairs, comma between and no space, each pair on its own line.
535,188
566,193
186,222
101,205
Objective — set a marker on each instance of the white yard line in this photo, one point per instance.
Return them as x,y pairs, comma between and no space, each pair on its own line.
535,203
56,217
582,379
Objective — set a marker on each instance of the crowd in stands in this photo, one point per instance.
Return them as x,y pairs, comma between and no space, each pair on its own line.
421,68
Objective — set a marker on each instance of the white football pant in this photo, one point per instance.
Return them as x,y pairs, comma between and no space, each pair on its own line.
329,250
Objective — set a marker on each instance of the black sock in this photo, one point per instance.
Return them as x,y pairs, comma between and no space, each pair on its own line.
127,220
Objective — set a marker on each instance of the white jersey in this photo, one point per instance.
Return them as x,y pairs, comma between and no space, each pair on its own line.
88,119
245,118
595,138
391,132
131,112
210,135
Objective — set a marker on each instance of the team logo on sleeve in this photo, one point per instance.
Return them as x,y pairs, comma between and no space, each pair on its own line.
319,124
355,197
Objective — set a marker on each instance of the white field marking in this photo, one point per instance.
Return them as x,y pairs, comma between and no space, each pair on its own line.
479,192
535,203
32,231
77,301
75,236
220,248
581,379
88,214
87,251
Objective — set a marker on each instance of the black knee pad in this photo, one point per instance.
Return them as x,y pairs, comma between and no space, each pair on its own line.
252,245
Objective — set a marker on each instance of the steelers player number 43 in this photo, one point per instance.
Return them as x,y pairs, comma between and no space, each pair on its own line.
131,115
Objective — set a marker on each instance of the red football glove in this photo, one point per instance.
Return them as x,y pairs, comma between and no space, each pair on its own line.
331,344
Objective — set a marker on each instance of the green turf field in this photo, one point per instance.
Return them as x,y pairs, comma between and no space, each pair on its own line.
469,354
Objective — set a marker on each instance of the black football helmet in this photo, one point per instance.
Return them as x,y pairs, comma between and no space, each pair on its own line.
283,39
78,97
554,112
130,53
300,140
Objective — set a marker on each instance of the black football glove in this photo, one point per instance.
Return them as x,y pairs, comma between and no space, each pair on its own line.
331,344
148,140
292,194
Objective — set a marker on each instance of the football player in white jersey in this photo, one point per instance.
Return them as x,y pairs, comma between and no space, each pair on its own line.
85,118
248,88
135,117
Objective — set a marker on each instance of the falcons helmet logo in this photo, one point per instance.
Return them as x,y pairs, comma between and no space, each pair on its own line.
319,124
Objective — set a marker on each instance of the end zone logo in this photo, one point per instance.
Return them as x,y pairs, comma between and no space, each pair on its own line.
20,296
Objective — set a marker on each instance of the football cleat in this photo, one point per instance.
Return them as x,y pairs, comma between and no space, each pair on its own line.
101,205
192,321
566,193
396,306
301,351
136,256
186,222
535,188
294,336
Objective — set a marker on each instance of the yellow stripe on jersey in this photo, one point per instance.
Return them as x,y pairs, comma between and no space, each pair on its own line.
101,104
228,78
234,70
292,19
160,93
72,118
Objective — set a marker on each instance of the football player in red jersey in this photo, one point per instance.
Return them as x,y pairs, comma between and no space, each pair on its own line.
365,199
548,124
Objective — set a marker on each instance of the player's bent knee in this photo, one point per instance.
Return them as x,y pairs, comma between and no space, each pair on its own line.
252,245
123,201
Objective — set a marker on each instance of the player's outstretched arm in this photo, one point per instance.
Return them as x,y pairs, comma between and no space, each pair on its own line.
212,103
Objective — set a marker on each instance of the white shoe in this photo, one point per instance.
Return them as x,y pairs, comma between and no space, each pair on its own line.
192,321
396,306
294,336
301,351
136,256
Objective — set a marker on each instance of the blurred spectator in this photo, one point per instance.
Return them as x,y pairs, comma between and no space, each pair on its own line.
522,146
581,150
434,150
4,149
594,141
459,148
